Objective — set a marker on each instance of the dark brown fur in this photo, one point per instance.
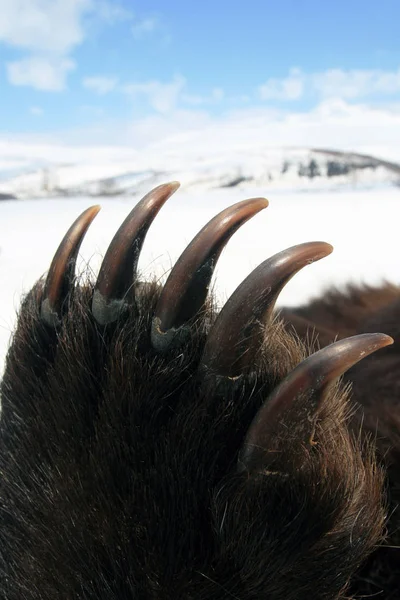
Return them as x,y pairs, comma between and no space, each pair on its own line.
375,385
119,476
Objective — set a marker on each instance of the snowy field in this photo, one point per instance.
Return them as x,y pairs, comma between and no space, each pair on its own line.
361,225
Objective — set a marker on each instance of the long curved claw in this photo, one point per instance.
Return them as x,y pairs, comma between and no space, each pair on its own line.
118,270
238,331
62,268
187,286
314,374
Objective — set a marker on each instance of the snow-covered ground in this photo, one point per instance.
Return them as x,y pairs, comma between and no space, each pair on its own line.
361,225
58,171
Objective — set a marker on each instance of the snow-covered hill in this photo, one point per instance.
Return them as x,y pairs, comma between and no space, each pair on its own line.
129,172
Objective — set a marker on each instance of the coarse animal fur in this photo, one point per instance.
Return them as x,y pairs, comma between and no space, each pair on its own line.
375,383
119,463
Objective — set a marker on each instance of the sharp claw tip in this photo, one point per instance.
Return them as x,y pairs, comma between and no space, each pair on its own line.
326,249
384,340
261,201
91,212
173,185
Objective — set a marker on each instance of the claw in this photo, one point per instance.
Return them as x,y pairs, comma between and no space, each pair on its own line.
314,374
118,270
238,331
187,285
62,268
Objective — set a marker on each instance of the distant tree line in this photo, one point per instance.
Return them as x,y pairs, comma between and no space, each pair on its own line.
311,170
334,168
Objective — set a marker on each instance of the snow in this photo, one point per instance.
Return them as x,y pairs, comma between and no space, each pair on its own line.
90,171
362,225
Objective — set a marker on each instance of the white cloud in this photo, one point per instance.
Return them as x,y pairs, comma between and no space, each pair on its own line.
181,134
163,97
43,25
100,85
332,124
36,110
288,88
40,72
356,83
49,31
333,83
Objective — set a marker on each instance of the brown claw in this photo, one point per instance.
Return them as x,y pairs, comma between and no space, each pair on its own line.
238,331
62,268
187,285
313,374
118,270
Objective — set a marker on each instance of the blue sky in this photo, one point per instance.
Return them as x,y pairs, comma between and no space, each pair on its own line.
94,67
